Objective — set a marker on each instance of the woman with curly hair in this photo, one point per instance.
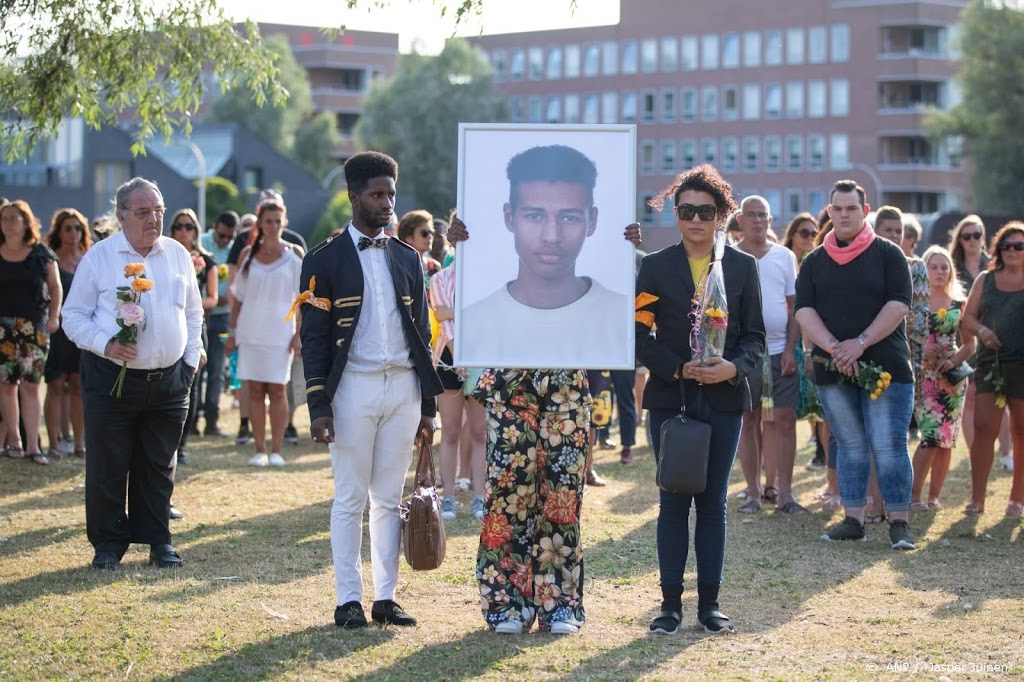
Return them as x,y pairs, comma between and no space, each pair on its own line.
716,392
29,313
69,238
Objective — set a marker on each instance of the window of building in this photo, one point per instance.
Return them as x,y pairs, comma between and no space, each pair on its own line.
534,109
751,154
515,109
689,54
794,197
572,61
590,103
817,45
668,105
795,99
709,150
772,47
535,57
730,103
795,46
709,103
839,151
554,63
668,156
669,54
772,100
667,216
815,200
772,153
731,51
648,106
649,55
751,101
107,177
687,153
730,154
752,48
794,153
610,107
647,157
554,110
709,51
817,99
498,65
630,57
572,108
840,43
815,152
610,58
688,104
517,65
646,212
774,199
346,122
839,97
629,107
591,60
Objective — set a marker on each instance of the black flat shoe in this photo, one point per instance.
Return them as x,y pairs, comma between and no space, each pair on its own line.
666,623
389,612
164,556
715,622
106,561
350,615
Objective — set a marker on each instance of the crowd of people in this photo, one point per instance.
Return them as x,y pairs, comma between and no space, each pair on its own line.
838,322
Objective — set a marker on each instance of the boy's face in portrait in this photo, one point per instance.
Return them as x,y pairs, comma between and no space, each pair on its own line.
550,222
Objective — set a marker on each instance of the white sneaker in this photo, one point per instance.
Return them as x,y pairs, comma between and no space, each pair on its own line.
462,483
448,508
1007,462
512,626
66,446
276,460
478,507
566,627
260,459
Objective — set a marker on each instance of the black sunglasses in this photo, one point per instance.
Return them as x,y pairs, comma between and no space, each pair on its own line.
968,236
426,233
807,233
72,227
1011,246
183,226
223,235
704,211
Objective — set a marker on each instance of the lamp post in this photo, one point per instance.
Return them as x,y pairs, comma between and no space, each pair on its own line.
331,175
201,161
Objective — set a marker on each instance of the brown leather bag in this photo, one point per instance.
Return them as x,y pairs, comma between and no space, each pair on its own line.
422,526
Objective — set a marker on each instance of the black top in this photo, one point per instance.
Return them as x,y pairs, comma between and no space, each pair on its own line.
242,240
202,271
849,297
964,275
666,274
23,284
1003,313
66,279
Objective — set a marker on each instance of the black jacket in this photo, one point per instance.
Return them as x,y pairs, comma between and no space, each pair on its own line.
666,274
326,337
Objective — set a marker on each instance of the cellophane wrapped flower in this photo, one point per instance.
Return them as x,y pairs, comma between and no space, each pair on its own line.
711,309
767,390
872,378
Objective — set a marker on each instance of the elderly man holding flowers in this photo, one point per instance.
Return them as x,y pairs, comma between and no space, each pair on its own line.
852,296
136,374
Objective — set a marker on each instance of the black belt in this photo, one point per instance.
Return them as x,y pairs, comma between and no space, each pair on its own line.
146,374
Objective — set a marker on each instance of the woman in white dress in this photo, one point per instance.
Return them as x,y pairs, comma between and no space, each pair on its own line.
263,291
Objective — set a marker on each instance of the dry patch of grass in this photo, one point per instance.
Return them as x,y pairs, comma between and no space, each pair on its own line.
256,596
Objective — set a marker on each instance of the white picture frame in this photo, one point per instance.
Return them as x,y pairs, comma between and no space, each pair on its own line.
495,326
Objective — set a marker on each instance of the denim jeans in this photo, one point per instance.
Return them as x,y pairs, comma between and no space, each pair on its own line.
866,428
214,370
674,509
623,381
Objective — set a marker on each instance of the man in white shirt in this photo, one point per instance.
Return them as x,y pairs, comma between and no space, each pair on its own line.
768,436
132,438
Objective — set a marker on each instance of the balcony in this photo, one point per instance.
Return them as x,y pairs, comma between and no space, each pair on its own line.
911,96
912,152
336,99
909,41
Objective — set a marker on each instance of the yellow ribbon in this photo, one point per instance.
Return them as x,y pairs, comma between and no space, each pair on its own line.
309,297
644,298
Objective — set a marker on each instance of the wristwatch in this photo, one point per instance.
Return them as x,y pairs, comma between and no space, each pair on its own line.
862,340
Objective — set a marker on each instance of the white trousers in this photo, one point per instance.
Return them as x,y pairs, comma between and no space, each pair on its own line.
376,416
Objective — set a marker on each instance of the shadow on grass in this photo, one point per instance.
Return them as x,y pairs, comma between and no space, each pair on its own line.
23,476
34,539
277,656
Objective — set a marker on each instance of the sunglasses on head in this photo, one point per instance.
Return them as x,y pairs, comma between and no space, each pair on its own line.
704,211
1011,246
968,236
806,234
183,226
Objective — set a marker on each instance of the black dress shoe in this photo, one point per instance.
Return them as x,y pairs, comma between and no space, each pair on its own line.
183,459
106,560
176,514
164,556
350,615
389,612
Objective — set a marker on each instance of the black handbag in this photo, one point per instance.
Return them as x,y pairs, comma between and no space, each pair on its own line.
959,373
685,447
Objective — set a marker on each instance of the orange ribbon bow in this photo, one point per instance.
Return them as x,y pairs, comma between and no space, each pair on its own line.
309,297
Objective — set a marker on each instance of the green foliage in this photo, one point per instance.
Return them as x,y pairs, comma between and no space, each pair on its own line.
414,117
989,117
221,195
315,144
114,60
338,213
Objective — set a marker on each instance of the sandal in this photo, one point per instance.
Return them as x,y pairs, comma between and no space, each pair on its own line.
1015,510
974,509
874,518
934,504
54,453
773,497
15,452
793,508
39,458
750,507
918,505
832,504
80,453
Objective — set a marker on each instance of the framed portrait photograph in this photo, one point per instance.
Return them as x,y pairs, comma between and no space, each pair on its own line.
546,278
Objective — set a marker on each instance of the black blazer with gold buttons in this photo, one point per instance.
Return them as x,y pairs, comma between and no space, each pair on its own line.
327,336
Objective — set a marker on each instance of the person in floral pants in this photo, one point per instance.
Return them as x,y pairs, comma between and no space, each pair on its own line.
530,561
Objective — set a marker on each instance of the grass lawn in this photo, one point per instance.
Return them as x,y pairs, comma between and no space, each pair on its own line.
256,596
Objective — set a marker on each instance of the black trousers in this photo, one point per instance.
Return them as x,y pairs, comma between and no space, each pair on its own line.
131,442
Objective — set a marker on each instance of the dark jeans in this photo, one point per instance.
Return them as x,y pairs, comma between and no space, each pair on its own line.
131,442
674,509
213,373
623,380
193,405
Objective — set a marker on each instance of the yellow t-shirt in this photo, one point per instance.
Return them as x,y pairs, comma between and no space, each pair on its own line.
699,271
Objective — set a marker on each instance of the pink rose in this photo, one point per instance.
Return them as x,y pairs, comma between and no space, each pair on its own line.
130,313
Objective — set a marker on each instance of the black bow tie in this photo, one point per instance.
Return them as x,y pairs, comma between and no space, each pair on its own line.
366,242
